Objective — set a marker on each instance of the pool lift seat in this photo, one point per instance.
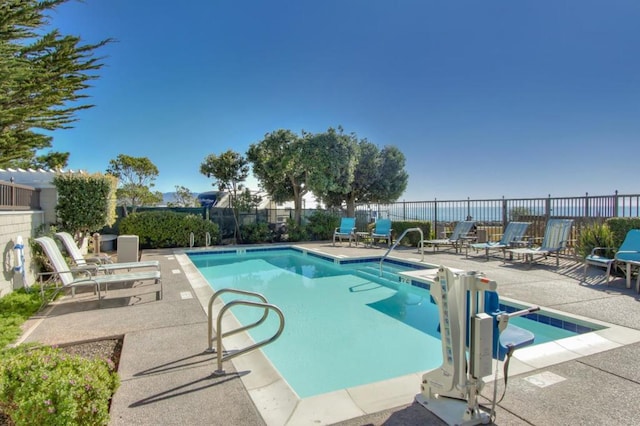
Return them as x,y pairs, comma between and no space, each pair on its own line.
470,319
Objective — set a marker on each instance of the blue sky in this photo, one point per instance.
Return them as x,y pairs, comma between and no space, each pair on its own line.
485,98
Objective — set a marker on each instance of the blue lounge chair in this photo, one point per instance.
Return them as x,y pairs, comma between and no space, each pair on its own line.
556,237
513,235
628,255
382,231
347,229
460,234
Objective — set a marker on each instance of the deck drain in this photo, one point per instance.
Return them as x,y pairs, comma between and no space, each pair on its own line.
544,379
175,271
186,295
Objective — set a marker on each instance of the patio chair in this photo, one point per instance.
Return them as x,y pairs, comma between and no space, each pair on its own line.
628,255
85,277
460,234
102,263
382,231
347,229
512,237
556,237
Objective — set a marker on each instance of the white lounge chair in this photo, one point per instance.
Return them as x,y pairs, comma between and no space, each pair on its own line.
103,264
460,234
556,237
72,278
513,235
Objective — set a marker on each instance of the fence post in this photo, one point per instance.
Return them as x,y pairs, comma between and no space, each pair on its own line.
615,203
469,208
505,218
547,207
13,192
435,217
586,205
404,210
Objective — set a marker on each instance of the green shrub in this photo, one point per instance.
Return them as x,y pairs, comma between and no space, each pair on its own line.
620,226
15,308
412,238
596,235
321,225
164,229
46,386
296,232
253,233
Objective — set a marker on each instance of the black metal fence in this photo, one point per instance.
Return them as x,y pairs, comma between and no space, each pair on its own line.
492,215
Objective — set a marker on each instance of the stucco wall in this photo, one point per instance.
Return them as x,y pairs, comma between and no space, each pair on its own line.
12,224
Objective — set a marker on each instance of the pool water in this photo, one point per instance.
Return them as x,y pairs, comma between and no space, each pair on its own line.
345,326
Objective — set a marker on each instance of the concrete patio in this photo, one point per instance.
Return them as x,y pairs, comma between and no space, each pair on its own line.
167,377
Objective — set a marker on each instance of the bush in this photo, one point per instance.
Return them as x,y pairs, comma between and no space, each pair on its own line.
412,238
15,308
296,232
620,227
165,229
253,233
46,386
596,235
321,225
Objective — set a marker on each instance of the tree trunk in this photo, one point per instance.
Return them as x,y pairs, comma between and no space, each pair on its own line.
351,206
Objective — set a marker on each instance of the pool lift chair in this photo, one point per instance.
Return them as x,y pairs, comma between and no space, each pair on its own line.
473,331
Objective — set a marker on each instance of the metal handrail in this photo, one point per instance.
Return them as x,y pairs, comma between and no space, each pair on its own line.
191,240
207,239
237,330
219,335
398,241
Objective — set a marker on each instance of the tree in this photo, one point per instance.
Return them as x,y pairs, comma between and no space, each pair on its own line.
330,160
42,77
277,163
137,176
378,176
230,170
184,198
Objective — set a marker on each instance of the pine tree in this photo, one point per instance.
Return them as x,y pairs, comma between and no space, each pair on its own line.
43,74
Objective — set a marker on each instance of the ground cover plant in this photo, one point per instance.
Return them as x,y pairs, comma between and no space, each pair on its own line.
52,386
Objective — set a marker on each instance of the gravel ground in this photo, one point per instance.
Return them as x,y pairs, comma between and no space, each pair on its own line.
108,348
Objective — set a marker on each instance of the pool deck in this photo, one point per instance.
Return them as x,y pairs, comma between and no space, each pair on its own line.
166,375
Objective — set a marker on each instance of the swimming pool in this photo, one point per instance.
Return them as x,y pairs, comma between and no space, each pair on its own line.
345,325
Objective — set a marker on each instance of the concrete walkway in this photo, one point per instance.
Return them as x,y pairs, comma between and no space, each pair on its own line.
167,376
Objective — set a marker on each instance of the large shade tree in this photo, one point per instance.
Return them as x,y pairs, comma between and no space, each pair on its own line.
277,163
330,159
378,176
136,176
43,74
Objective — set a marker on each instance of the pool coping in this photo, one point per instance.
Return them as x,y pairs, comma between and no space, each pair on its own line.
278,404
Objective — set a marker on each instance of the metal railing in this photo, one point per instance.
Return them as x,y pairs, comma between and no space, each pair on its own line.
14,196
398,241
492,215
220,356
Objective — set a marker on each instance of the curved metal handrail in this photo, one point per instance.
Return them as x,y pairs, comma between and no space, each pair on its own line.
191,240
237,330
398,241
220,356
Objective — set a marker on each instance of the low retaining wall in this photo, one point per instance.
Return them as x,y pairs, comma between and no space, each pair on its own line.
12,224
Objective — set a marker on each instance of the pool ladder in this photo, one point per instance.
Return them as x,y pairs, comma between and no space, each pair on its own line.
192,239
220,356
406,231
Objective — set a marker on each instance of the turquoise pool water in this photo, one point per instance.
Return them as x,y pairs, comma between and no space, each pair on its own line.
345,326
